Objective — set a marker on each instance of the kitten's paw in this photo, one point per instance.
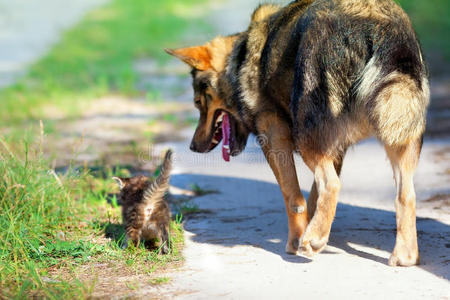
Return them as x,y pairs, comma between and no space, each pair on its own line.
165,249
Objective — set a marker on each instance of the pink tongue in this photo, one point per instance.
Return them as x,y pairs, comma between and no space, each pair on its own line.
225,138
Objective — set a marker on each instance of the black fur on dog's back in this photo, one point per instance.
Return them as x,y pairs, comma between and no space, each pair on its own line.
314,59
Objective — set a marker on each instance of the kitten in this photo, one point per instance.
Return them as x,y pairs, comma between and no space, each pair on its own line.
145,213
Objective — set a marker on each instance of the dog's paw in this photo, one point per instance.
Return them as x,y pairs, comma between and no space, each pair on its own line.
292,247
403,257
310,245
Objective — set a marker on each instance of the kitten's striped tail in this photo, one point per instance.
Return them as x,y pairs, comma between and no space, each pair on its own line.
155,192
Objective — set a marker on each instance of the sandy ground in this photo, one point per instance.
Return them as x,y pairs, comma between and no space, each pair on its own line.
235,244
235,249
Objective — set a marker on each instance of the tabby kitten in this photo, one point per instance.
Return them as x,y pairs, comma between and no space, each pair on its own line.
145,212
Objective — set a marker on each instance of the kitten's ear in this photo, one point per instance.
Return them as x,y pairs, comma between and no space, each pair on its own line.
120,182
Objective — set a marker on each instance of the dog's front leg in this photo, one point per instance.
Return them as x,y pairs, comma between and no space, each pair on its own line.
276,143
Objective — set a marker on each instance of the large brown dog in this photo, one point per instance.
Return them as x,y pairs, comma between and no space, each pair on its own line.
315,77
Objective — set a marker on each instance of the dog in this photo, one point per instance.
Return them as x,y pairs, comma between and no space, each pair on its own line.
145,213
315,77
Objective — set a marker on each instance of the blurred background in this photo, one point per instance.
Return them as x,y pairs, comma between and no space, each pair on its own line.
94,70
87,90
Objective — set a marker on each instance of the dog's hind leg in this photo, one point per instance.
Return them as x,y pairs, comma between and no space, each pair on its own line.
404,161
328,185
396,108
278,148
313,195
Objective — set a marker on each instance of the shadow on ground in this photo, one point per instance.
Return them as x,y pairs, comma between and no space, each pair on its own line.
251,212
114,231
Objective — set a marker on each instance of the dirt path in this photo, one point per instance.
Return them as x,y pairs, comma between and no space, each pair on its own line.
235,248
235,244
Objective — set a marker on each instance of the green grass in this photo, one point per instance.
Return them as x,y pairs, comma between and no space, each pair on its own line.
35,206
160,280
96,57
432,23
201,191
52,225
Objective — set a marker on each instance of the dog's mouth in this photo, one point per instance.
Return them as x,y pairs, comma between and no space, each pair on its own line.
222,131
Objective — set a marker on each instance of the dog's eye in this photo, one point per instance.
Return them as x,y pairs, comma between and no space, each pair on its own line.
208,97
197,102
203,86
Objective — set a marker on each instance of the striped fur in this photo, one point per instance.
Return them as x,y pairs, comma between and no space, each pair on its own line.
145,213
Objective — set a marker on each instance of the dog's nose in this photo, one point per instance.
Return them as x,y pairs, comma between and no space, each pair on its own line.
192,146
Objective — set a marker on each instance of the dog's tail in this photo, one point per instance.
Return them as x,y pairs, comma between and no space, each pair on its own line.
396,103
155,192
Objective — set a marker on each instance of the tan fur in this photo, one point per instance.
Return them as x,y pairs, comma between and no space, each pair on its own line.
336,104
327,185
220,48
279,153
400,110
215,104
264,11
257,36
370,77
404,161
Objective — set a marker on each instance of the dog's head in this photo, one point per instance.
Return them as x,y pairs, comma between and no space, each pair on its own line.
219,118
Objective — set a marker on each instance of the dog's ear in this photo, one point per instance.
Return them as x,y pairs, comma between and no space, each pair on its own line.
198,57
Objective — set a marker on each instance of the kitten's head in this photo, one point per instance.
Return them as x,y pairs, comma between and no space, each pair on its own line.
138,188
132,189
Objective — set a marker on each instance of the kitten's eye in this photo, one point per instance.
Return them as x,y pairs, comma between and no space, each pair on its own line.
197,102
